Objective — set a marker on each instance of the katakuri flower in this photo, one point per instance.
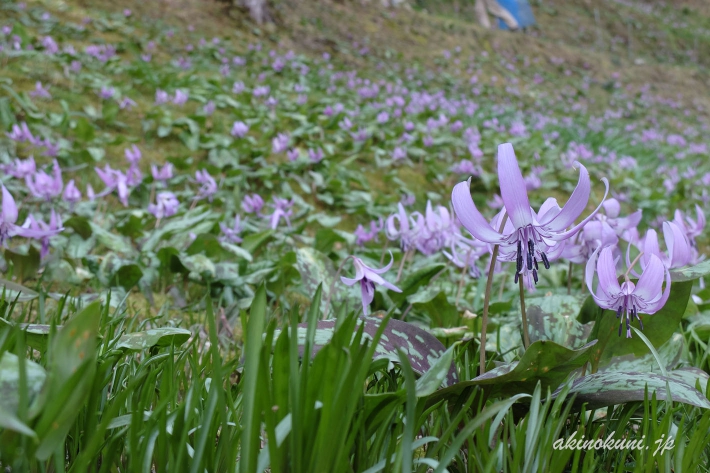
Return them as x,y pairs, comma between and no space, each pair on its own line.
231,235
679,252
253,204
114,180
628,299
163,174
8,219
54,227
530,236
368,277
166,205
44,186
282,209
208,186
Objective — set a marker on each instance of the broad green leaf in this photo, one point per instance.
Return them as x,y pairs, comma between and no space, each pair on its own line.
617,387
554,318
25,266
127,276
160,337
423,349
414,281
671,354
545,362
36,335
17,291
10,381
200,265
315,269
112,241
691,273
254,241
181,223
81,225
436,375
70,375
692,377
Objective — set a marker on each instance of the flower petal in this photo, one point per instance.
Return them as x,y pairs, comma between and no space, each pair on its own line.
606,270
677,244
612,208
512,187
649,285
470,217
9,208
650,247
575,205
576,228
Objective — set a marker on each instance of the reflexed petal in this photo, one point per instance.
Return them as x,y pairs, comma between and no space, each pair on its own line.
512,187
348,281
649,285
630,221
548,210
575,205
576,228
9,208
650,246
470,217
677,244
382,270
606,270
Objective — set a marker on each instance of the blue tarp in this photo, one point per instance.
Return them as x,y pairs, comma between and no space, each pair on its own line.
521,11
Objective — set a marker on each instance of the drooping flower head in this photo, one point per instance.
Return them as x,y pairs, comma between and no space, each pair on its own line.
253,204
368,277
282,209
44,186
647,296
166,205
8,219
531,236
231,234
208,186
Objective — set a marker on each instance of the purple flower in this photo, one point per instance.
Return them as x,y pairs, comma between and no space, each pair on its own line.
363,236
253,204
629,299
134,176
166,205
106,93
21,133
238,88
8,217
399,153
161,97
397,228
114,180
679,252
20,169
692,228
209,108
280,143
530,236
126,103
292,154
282,209
316,155
162,174
44,186
239,129
71,193
133,154
208,186
231,235
428,141
54,227
41,92
181,97
465,253
368,277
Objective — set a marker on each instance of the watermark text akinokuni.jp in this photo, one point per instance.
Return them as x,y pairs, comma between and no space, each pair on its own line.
662,444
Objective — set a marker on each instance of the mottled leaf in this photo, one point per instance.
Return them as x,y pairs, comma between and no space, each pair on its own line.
36,335
554,318
544,361
691,273
80,225
17,291
112,241
315,269
617,387
423,349
25,266
670,353
160,337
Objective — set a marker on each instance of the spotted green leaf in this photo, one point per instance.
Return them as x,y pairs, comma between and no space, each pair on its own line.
156,337
617,387
554,318
10,381
544,361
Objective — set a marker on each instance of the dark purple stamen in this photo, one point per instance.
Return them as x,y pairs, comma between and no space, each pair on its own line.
545,261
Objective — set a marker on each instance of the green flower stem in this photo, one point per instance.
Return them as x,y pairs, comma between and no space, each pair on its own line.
526,336
487,299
